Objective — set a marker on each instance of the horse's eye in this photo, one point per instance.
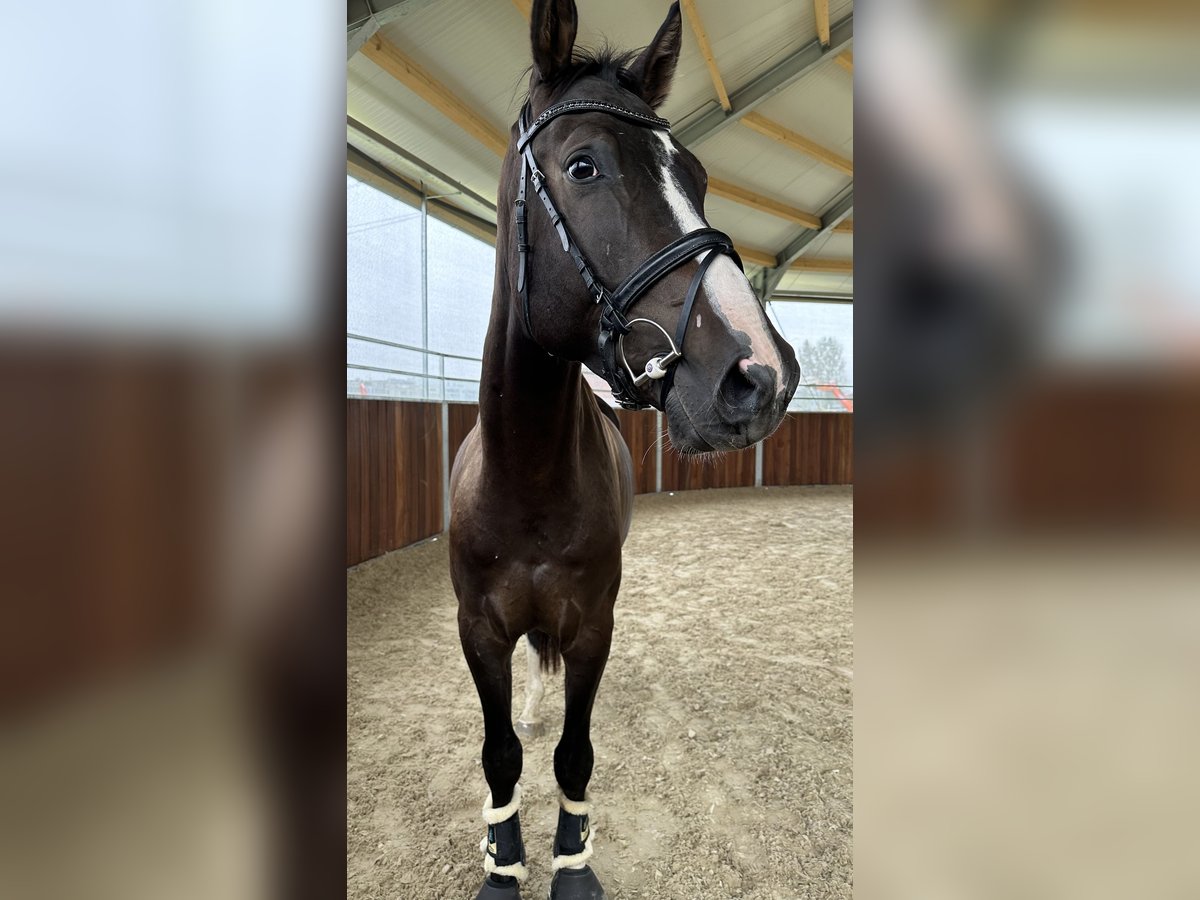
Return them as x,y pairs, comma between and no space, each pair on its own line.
582,169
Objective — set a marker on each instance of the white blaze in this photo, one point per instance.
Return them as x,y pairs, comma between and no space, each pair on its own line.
726,287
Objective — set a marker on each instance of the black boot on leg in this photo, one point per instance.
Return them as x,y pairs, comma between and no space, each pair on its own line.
573,878
504,853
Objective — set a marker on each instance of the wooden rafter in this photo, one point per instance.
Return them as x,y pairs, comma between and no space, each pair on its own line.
817,264
846,227
392,60
525,7
846,61
798,142
746,197
821,9
754,257
689,7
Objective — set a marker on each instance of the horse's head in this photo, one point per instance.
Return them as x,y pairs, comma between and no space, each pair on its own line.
625,190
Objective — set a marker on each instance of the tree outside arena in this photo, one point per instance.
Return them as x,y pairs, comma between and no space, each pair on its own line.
822,362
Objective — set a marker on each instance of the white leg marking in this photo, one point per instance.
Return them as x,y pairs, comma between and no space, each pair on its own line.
534,689
726,287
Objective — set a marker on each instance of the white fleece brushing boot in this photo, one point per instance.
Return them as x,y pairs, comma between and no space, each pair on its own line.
504,854
573,878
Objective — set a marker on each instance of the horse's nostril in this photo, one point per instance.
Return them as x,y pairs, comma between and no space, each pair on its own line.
750,386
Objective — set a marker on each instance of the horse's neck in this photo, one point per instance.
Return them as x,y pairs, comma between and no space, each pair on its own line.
532,411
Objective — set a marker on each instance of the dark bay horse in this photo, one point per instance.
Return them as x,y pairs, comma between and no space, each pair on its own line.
603,259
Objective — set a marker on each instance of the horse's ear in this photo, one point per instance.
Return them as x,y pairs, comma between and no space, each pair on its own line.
552,28
655,67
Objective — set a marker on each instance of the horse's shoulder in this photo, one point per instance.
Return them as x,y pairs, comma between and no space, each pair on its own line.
466,460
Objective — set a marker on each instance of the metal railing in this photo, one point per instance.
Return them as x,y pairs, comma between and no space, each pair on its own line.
426,376
832,400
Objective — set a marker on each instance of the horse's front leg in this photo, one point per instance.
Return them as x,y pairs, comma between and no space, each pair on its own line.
585,659
489,657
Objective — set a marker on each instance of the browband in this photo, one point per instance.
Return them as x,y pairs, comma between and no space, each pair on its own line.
566,107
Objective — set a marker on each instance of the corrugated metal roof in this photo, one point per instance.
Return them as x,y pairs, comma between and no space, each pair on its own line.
768,167
821,108
479,50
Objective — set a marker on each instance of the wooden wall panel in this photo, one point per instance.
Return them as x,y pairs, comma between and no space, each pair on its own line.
689,473
394,464
638,429
114,468
393,475
810,448
1108,451
462,419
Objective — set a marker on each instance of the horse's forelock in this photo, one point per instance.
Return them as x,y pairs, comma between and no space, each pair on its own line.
606,63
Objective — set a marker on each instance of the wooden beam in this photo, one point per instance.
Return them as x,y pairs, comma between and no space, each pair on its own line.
746,197
846,227
689,7
525,7
821,9
389,57
846,61
797,142
753,257
817,264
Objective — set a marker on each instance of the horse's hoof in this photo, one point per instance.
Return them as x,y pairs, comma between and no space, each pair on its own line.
491,890
529,730
576,884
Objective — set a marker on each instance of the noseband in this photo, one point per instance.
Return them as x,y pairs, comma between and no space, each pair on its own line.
614,320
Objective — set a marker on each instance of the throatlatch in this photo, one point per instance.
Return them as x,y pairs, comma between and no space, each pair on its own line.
504,853
703,243
573,878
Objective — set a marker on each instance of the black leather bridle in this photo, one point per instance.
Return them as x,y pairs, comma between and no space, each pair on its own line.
614,321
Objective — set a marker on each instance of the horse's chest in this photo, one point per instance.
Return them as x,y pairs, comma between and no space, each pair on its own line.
565,548
546,556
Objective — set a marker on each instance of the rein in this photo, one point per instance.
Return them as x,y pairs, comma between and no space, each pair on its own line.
614,320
